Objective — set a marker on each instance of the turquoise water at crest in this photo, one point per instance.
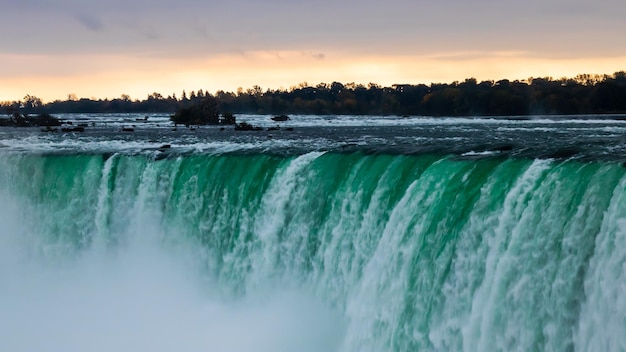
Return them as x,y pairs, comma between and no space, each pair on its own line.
317,250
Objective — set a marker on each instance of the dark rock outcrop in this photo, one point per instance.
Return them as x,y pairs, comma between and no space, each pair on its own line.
281,118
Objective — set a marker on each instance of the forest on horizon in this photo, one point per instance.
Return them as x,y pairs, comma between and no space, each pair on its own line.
583,94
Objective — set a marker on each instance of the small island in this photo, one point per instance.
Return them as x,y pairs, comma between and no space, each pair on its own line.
206,112
17,119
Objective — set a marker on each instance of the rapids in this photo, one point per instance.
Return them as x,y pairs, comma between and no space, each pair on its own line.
268,245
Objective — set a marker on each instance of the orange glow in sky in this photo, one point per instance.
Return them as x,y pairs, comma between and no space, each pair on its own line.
103,49
106,76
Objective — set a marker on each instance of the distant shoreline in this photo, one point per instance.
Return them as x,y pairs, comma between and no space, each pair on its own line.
582,95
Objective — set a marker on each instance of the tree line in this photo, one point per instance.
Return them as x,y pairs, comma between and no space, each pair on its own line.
583,94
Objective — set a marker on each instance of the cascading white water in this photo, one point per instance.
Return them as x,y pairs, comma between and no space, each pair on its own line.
602,314
316,252
131,291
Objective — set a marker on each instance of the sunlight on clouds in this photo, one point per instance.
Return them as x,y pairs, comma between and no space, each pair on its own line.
109,76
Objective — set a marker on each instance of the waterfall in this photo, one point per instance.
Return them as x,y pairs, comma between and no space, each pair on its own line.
322,251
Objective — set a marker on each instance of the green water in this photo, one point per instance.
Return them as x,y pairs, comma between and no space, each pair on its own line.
416,253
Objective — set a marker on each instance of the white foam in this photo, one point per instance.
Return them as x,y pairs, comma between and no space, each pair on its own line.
142,296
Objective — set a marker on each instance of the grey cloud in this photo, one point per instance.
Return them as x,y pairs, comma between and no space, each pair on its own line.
90,22
394,27
317,56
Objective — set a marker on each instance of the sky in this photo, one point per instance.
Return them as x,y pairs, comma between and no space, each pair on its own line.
106,48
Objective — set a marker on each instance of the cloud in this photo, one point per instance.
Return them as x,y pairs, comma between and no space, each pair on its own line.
195,27
319,56
90,22
476,55
314,55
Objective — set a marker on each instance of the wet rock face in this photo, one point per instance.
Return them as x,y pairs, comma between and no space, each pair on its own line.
18,120
281,118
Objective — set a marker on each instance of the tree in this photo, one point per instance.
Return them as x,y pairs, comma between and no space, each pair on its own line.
31,103
205,113
155,96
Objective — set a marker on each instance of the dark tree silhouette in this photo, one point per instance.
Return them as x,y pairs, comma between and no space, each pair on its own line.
205,113
583,94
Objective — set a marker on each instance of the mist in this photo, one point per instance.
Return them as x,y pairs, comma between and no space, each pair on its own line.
141,297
